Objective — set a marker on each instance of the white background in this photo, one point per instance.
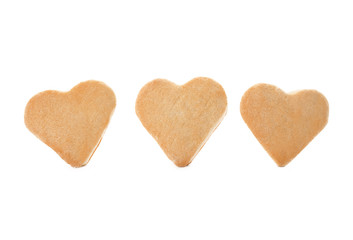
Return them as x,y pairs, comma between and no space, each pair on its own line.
130,189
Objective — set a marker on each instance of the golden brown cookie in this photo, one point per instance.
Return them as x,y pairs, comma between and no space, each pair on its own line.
181,118
283,123
72,123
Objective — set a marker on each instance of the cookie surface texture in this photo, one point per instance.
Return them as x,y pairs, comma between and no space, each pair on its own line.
72,123
283,123
181,117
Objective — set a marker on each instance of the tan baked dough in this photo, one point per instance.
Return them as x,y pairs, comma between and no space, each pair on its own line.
181,118
72,123
283,123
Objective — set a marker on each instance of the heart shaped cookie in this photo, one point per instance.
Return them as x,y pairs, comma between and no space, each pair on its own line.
72,123
283,123
181,118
